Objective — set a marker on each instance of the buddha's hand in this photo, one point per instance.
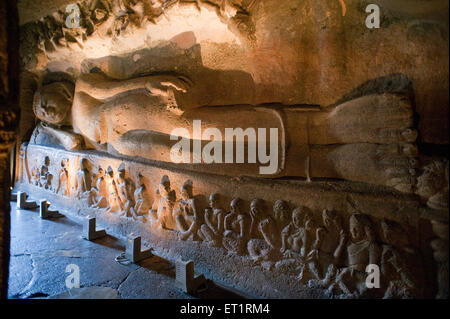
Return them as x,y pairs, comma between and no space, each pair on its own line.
162,85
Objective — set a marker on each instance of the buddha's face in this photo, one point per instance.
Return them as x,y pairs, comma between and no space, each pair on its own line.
52,103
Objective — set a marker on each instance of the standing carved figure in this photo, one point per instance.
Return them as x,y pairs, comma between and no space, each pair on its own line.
63,181
213,228
237,228
23,168
162,208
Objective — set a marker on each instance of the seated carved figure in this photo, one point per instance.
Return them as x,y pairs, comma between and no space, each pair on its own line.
399,267
162,208
45,178
82,181
237,228
266,248
98,194
124,188
140,208
282,213
114,202
296,242
187,217
361,251
328,248
368,139
212,229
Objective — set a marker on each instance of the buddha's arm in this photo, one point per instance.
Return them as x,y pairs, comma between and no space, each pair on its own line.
100,87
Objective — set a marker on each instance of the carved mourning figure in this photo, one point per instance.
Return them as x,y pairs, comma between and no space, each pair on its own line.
114,203
237,228
162,208
432,185
307,267
213,228
328,247
136,117
399,265
362,250
293,236
63,180
98,194
35,175
267,247
82,180
282,213
141,206
187,216
125,192
45,178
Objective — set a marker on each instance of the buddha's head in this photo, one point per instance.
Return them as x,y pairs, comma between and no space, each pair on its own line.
52,102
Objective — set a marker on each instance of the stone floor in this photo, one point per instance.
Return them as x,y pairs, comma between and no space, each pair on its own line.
42,249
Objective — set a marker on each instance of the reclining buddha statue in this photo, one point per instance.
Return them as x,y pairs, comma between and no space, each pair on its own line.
367,138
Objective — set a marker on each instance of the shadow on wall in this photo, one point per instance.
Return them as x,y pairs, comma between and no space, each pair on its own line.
181,55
